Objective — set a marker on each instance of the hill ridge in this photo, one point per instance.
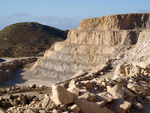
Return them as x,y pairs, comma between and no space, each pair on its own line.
28,39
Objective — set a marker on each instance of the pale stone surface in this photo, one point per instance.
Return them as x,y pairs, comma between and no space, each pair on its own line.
87,84
120,69
80,73
47,103
119,105
75,107
116,91
72,88
104,97
89,96
61,95
90,107
136,88
123,21
127,93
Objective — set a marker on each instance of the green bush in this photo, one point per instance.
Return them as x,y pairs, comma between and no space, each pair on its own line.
40,92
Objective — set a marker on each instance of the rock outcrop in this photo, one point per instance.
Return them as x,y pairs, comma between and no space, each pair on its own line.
95,41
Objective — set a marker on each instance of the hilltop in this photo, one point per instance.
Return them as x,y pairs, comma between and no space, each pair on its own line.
28,39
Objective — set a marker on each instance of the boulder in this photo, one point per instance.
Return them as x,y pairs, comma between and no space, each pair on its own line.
118,105
47,103
104,98
137,70
90,107
136,88
137,106
72,88
80,73
127,93
75,107
87,84
89,96
60,95
116,91
120,69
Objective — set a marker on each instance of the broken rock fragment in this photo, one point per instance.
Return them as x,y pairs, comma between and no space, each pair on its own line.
61,95
90,107
119,105
136,88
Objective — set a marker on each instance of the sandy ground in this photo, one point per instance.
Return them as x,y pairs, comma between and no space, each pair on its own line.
24,77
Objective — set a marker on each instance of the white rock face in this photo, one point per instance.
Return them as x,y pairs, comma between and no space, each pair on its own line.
95,41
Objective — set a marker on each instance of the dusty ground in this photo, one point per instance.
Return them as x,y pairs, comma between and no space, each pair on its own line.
23,77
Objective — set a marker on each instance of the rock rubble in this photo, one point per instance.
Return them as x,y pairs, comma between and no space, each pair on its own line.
88,93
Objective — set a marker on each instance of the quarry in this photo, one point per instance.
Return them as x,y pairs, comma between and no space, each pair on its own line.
102,67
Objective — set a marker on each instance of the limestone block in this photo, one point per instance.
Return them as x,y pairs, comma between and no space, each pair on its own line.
127,93
87,84
75,107
89,96
136,88
116,91
47,103
90,107
120,69
104,97
60,95
119,105
80,73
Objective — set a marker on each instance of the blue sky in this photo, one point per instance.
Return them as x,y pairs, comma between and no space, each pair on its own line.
65,14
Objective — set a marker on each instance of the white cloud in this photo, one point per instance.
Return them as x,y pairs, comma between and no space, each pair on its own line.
44,23
44,17
20,14
143,10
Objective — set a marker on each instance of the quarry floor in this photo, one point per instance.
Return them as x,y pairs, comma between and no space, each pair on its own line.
24,77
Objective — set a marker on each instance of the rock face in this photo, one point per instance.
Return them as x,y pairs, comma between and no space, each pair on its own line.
96,40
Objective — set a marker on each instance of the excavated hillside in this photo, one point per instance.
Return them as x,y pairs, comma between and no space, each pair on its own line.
28,39
95,41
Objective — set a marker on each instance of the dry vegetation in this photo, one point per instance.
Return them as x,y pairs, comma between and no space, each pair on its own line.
28,39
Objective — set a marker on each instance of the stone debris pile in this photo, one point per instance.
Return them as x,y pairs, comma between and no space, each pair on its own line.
126,92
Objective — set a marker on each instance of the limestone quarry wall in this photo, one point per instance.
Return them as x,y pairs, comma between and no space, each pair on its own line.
95,41
115,22
102,37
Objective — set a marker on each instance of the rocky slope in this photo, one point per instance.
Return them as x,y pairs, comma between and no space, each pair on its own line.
28,39
95,41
